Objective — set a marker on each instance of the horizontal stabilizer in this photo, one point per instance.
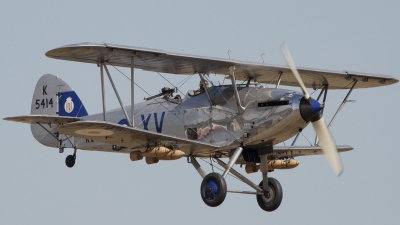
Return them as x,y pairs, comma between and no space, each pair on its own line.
32,119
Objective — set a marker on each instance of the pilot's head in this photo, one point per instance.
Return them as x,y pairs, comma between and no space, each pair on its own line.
205,82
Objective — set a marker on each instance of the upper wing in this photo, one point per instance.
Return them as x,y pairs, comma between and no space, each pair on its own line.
165,62
130,137
293,151
42,119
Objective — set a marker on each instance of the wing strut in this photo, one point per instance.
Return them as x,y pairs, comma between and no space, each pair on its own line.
232,75
102,65
343,103
340,107
116,93
102,89
132,91
206,89
279,79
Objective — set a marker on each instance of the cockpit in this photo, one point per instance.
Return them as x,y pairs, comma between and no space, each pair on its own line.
168,93
203,85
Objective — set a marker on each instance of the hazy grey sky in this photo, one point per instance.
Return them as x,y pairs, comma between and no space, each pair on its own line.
105,188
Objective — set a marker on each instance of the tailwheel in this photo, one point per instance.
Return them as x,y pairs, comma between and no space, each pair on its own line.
272,198
213,189
70,161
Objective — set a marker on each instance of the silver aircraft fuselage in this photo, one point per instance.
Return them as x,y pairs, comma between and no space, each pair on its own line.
271,116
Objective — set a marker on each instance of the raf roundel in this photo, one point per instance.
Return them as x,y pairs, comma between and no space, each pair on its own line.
69,105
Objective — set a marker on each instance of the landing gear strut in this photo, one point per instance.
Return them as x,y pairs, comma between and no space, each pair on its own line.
70,160
272,196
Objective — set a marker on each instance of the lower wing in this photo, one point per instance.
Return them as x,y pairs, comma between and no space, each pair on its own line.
134,138
294,151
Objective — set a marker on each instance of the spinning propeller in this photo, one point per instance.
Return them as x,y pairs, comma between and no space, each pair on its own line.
309,108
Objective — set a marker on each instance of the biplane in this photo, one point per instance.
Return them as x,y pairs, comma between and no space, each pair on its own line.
243,123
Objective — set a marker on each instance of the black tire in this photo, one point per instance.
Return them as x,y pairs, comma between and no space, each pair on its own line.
273,200
70,161
213,189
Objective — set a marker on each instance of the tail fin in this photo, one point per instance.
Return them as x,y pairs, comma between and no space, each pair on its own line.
53,97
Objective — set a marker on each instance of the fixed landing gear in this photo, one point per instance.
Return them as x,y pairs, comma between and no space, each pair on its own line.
213,189
272,197
70,160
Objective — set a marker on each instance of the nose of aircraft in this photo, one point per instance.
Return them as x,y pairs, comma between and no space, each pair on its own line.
310,109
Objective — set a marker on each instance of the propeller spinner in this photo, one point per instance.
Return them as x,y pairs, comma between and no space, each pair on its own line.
310,109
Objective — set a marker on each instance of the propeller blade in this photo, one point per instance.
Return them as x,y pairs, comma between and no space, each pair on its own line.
289,60
328,145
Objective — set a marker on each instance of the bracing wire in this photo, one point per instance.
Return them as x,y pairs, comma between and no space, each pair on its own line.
340,90
272,80
306,138
155,99
220,169
166,107
187,79
189,99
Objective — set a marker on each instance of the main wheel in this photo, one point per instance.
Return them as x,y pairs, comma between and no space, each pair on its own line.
70,161
271,200
213,189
